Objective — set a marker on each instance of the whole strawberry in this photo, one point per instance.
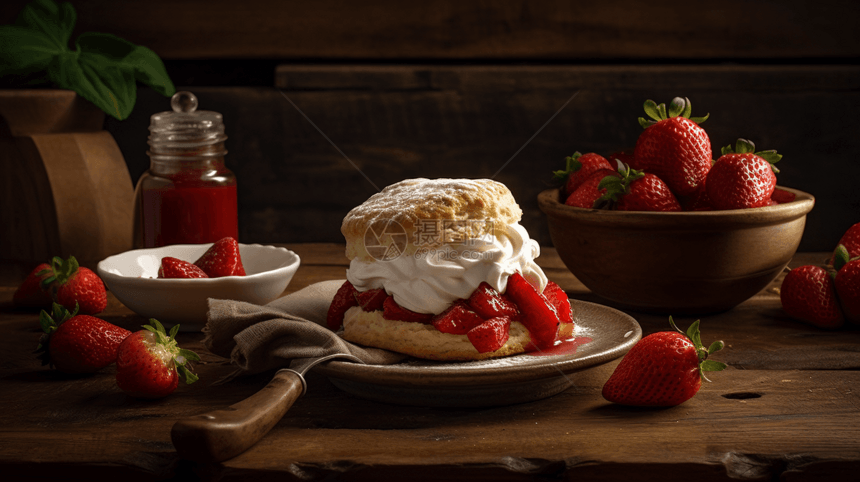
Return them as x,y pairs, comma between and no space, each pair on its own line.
663,369
578,168
222,259
32,293
176,268
851,241
588,192
742,178
78,343
673,146
808,294
847,282
637,191
76,286
149,363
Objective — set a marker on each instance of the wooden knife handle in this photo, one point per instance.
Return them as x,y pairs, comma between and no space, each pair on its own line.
223,434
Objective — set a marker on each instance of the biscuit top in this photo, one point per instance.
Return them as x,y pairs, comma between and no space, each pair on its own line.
411,200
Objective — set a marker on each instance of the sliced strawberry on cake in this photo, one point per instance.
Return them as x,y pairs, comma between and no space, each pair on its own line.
455,271
457,320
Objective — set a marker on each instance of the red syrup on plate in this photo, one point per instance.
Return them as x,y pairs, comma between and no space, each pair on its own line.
563,347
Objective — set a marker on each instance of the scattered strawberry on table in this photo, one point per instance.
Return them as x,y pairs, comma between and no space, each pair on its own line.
826,296
663,369
75,343
847,282
671,168
65,282
851,241
74,286
149,362
808,294
31,293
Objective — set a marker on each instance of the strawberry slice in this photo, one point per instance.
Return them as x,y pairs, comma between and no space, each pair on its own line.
392,311
222,259
458,319
555,295
488,303
536,313
491,334
177,268
371,300
343,300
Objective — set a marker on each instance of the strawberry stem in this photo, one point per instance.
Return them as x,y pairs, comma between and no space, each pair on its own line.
745,146
679,107
695,337
180,356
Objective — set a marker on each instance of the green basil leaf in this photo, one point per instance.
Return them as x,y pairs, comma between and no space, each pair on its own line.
145,64
97,79
55,21
23,51
150,70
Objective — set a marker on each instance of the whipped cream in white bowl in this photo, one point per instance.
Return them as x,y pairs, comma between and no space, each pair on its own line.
430,280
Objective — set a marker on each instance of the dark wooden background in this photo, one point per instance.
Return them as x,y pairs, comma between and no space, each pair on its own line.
326,101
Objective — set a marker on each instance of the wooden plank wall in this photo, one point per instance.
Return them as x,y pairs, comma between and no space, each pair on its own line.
326,101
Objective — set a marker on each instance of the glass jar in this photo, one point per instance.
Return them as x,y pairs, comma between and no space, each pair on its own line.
188,196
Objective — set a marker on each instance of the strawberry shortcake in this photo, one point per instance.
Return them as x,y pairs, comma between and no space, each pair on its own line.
441,269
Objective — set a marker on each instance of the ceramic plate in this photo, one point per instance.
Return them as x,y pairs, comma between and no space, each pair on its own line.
603,333
132,277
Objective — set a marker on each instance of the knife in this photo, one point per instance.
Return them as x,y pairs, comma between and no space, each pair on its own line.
223,434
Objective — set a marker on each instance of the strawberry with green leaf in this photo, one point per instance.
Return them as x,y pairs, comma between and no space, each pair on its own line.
636,191
31,293
75,343
663,369
673,146
808,294
149,362
742,178
76,287
577,169
851,241
587,194
847,283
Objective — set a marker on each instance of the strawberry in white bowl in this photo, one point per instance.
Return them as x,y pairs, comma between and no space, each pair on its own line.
133,277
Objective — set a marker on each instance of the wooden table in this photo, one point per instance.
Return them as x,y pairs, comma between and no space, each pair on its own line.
788,409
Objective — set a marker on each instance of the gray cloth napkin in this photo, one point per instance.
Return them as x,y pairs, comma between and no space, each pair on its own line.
286,332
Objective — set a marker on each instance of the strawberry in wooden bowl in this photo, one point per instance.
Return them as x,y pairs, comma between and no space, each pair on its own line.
678,233
173,283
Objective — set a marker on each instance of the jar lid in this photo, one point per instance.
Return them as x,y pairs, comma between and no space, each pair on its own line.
185,126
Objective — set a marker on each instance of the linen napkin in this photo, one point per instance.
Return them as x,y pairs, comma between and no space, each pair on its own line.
286,332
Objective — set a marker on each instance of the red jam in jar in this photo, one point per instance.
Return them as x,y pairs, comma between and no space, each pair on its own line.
188,196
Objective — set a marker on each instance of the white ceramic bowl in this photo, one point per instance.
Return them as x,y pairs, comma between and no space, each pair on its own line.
132,278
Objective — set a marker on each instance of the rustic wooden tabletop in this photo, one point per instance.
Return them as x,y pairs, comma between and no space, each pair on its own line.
788,409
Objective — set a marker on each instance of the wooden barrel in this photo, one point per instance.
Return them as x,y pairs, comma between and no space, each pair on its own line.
65,188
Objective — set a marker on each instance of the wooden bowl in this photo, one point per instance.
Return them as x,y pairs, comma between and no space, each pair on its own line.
677,263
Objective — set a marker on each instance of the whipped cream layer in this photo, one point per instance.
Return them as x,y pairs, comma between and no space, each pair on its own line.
430,280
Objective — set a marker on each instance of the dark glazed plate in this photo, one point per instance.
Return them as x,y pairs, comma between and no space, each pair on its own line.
502,381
